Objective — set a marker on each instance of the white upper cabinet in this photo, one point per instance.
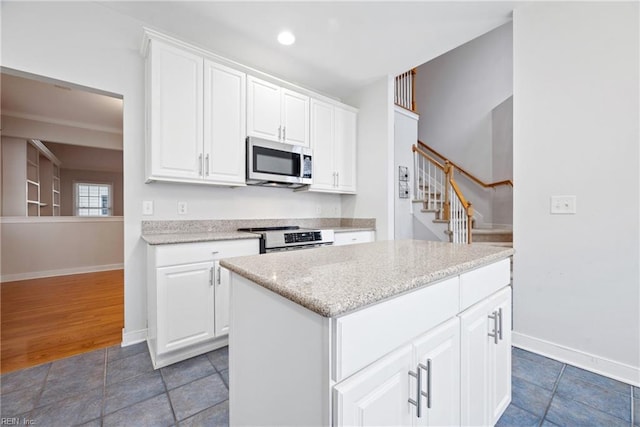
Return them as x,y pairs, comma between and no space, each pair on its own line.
224,124
276,113
175,111
333,140
196,112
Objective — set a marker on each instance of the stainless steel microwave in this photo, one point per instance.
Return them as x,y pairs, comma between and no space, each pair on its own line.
276,164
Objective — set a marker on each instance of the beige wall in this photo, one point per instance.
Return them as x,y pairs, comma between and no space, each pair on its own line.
69,176
53,246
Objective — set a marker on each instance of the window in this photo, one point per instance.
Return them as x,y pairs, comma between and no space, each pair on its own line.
92,199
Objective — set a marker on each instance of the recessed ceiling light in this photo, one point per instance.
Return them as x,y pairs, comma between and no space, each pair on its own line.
286,38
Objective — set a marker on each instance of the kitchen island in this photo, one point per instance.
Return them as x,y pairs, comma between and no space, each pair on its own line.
379,333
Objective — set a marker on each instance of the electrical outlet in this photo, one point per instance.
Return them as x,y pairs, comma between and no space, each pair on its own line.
147,207
182,208
563,205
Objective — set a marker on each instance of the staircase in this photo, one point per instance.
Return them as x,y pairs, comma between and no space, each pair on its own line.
438,203
442,208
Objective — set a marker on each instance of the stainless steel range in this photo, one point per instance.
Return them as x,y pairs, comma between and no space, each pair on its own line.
277,239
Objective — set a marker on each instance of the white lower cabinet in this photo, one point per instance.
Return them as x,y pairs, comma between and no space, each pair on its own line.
188,297
417,384
486,360
353,237
185,301
439,355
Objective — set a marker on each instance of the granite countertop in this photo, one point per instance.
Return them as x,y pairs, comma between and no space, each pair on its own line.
335,280
189,231
210,236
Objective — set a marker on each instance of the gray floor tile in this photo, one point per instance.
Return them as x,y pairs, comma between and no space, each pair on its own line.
535,369
73,376
25,378
636,392
566,412
126,393
595,379
547,423
219,358
225,377
190,399
128,367
18,402
77,410
217,415
636,412
93,423
152,412
601,398
530,397
517,417
186,371
117,352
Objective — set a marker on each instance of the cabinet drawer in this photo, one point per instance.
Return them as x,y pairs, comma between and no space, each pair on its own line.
352,237
478,284
182,253
362,337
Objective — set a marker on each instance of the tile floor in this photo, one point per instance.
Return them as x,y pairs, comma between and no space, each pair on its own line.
118,386
549,393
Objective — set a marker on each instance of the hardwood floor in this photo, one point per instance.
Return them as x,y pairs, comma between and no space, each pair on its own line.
55,317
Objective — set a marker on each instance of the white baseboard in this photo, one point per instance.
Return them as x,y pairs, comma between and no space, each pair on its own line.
600,365
60,272
133,337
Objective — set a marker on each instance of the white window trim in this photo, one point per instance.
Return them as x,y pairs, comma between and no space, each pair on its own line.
91,182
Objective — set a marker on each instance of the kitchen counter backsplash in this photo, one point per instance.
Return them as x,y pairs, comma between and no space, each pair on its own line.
229,225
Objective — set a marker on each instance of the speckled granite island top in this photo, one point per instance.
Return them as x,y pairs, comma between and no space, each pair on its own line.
335,280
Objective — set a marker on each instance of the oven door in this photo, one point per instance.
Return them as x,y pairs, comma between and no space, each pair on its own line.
278,162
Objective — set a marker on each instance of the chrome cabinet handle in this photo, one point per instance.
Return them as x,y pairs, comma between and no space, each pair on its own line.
494,334
206,163
200,164
218,282
500,323
284,133
337,179
279,133
416,402
211,274
428,395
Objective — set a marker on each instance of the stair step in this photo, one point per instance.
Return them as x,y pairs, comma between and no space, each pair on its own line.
492,235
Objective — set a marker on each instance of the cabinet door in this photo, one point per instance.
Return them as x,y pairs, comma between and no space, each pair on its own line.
185,305
440,351
224,124
263,109
378,395
353,237
223,280
322,123
176,111
345,150
475,364
500,389
295,118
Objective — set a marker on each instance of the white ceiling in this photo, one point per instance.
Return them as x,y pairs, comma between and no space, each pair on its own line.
340,46
59,103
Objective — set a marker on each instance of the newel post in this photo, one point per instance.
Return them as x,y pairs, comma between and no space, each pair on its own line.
469,222
446,209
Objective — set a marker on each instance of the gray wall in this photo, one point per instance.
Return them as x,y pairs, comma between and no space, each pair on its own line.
576,132
455,94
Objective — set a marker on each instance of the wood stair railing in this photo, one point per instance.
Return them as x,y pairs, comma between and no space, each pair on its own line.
425,147
405,90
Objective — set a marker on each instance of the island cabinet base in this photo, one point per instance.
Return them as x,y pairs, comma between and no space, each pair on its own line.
402,361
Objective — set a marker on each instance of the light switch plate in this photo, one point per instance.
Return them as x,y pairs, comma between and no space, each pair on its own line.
182,208
563,205
147,207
